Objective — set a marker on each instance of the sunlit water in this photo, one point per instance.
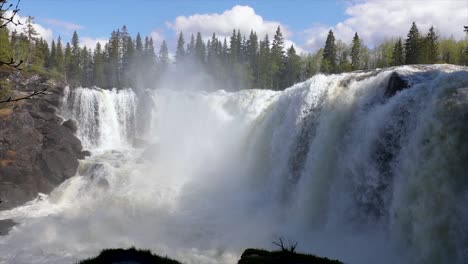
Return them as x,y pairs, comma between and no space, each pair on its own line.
331,163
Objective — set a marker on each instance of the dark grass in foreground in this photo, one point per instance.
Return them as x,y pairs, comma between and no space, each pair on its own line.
127,256
250,256
260,256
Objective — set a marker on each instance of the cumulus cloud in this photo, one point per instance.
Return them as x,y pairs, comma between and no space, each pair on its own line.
90,43
68,26
43,32
239,17
376,20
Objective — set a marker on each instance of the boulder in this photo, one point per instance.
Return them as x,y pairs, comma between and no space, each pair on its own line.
71,124
395,84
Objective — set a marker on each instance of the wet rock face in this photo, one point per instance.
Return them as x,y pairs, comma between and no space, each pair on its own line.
395,84
37,152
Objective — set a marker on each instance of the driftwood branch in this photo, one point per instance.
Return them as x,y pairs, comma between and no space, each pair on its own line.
27,97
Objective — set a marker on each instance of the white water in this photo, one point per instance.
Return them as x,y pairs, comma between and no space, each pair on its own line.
330,163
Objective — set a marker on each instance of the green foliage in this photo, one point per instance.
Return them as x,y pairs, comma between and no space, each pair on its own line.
5,91
397,55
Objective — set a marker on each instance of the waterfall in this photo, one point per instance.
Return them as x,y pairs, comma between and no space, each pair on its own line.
336,163
106,118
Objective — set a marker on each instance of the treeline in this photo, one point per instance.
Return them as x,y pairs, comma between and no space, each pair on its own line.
237,62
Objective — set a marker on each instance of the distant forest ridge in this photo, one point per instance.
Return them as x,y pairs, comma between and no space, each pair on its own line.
242,61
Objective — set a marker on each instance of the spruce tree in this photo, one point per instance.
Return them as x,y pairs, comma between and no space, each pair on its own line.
6,52
51,64
292,68
200,49
355,53
397,55
59,57
75,61
432,46
163,56
413,46
277,59
180,52
98,67
329,62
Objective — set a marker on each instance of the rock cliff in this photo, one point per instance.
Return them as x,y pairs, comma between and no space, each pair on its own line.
38,151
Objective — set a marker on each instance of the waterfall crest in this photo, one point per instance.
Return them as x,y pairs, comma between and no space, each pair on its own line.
337,163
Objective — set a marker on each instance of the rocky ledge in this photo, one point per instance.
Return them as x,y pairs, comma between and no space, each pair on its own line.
38,150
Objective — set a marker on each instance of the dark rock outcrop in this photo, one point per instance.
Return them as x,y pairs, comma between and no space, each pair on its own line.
37,153
71,124
395,84
5,226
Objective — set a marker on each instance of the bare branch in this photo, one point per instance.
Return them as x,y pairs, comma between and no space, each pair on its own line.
4,21
30,96
12,63
291,248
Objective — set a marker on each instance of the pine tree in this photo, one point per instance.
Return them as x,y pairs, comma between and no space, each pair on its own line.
180,52
413,46
355,53
397,55
329,54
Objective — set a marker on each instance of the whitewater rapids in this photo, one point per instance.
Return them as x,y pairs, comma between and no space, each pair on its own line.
334,163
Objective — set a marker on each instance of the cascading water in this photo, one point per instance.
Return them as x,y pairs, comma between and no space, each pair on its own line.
106,118
334,163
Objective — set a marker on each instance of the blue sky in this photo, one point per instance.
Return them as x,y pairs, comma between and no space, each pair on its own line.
305,22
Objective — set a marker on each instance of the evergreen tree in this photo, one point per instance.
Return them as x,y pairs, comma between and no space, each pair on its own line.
200,49
75,65
6,51
277,59
53,55
31,34
67,61
432,46
191,47
413,46
292,68
263,64
329,54
164,56
397,55
59,57
355,53
98,67
180,52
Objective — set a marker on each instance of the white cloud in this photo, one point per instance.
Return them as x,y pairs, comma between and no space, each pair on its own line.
239,17
158,38
63,24
43,32
376,20
90,43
